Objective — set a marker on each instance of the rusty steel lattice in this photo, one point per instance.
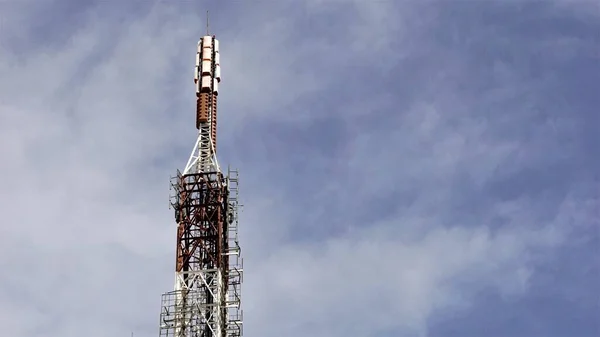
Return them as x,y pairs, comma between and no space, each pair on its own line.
200,210
206,299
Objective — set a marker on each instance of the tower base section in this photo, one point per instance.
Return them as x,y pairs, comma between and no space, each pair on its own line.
195,308
182,316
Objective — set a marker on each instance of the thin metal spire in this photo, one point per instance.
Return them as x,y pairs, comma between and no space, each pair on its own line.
207,33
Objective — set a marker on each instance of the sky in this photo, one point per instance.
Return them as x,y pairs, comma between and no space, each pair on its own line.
407,168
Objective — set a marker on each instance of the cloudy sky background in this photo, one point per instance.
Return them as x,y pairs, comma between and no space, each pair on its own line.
408,168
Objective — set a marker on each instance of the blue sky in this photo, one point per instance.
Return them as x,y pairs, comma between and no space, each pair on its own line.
408,168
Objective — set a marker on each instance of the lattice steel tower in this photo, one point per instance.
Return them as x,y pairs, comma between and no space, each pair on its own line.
208,268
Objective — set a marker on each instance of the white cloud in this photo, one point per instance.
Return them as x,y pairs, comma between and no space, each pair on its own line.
84,203
377,280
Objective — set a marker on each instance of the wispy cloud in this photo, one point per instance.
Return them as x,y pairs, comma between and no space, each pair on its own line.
400,161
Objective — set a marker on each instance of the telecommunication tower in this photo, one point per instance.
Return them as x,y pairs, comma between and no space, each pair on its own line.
208,269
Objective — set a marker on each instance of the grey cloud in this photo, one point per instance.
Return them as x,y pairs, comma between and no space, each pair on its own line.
388,219
375,282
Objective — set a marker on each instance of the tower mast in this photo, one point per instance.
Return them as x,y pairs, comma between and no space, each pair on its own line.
205,301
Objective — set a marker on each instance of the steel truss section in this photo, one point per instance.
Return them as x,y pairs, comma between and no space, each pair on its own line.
209,268
193,311
203,157
235,277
